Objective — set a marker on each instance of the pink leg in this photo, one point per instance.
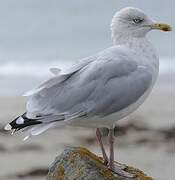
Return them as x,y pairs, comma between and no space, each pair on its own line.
118,169
111,149
99,138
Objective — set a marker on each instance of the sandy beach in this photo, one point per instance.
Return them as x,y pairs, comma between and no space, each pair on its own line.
144,140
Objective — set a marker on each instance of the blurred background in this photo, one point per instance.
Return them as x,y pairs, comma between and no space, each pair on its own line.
36,35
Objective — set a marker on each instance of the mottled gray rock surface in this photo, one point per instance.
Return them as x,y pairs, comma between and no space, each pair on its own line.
78,163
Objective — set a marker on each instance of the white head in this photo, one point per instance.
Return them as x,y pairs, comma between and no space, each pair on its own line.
133,22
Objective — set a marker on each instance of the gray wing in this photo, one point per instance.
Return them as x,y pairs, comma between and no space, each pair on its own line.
61,75
107,84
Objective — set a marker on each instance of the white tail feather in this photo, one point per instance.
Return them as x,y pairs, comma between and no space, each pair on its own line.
37,129
40,129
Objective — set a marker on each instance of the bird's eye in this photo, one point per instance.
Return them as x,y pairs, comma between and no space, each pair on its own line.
137,20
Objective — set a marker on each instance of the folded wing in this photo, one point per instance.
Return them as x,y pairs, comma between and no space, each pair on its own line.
108,82
98,86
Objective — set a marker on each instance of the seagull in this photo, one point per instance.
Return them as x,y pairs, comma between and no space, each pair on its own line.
100,89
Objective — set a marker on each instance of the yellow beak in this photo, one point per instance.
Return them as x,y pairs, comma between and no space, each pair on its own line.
160,26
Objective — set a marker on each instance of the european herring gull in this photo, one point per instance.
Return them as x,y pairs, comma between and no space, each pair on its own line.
100,89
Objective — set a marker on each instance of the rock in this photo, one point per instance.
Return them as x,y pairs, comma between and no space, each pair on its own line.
78,163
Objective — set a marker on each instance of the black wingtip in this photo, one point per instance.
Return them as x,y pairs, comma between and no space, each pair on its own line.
25,121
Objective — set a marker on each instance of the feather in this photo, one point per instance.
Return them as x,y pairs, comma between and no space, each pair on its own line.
55,71
61,75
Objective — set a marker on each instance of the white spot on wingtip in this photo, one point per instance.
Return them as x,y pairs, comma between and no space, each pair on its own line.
8,127
20,120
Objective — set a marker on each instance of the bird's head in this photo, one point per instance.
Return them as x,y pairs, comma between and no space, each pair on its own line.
134,22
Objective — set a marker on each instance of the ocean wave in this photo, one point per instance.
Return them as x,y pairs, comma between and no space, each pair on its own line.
40,69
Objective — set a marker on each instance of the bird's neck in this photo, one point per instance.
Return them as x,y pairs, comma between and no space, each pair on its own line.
129,41
140,46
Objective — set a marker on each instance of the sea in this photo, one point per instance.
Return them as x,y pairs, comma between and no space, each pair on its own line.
36,35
